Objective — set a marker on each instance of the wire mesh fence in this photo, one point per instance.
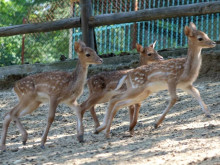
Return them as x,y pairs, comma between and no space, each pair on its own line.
38,47
168,32
48,47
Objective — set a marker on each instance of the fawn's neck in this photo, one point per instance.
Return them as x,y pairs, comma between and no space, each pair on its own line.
79,75
143,61
193,63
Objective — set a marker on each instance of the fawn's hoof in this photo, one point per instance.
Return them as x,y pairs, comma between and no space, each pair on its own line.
131,133
80,138
96,132
155,126
24,142
2,149
208,115
42,147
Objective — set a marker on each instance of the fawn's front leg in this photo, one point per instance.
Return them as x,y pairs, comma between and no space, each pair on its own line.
195,93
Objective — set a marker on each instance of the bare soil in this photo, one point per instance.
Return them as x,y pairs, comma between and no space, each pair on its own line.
185,137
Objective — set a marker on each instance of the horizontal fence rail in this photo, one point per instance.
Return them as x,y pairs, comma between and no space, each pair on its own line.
52,27
168,31
157,13
40,27
116,18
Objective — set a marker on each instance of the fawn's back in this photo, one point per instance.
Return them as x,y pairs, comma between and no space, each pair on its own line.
45,85
180,72
60,85
109,80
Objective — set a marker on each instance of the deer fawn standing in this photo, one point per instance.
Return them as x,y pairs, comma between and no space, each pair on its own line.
52,87
101,86
169,74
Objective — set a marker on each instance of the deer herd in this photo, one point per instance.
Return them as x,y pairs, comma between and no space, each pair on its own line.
124,88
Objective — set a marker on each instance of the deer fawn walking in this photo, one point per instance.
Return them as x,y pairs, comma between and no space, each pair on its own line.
168,74
52,87
101,86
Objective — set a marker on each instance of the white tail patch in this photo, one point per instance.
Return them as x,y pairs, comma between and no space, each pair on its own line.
121,82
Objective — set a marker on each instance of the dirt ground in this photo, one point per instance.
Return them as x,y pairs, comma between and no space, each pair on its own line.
185,137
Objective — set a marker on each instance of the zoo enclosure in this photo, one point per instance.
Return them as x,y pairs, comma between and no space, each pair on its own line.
109,38
168,32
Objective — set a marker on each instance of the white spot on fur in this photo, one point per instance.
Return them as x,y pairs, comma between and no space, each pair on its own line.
132,84
142,81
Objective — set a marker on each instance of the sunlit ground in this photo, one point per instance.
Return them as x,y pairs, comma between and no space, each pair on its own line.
185,137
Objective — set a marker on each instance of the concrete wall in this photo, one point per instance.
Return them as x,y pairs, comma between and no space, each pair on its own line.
210,66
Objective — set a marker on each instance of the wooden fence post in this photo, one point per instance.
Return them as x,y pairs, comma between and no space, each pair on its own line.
135,27
87,32
23,45
72,6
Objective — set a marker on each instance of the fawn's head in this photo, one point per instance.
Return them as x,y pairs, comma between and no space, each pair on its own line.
197,37
86,54
148,54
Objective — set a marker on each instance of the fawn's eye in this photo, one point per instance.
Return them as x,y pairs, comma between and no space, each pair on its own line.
200,39
87,55
149,54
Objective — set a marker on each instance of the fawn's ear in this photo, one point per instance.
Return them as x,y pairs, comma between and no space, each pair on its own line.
153,44
79,46
82,43
192,26
139,48
187,31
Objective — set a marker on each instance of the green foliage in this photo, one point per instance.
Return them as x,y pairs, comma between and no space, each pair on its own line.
46,47
39,47
10,50
11,13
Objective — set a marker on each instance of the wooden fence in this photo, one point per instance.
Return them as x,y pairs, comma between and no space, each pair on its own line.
87,22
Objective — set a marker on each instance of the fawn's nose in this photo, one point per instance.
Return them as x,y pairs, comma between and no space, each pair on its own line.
101,60
160,58
213,44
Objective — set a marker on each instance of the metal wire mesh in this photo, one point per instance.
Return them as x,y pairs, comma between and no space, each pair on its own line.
48,47
168,32
38,47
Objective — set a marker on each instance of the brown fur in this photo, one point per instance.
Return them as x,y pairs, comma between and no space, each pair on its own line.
169,74
101,86
52,87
